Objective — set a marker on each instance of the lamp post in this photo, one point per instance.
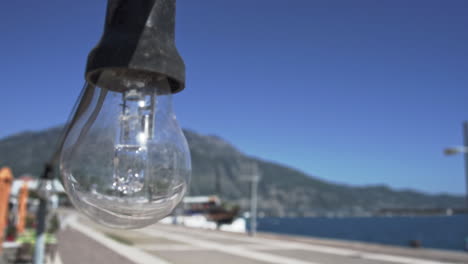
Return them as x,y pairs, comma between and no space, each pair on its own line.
134,68
253,204
253,176
45,190
462,150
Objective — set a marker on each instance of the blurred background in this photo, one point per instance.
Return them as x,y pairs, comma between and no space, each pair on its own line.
330,117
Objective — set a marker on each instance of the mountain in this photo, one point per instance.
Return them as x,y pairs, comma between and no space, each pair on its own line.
218,167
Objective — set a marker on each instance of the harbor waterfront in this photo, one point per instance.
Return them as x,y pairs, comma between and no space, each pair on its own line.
234,132
442,232
181,245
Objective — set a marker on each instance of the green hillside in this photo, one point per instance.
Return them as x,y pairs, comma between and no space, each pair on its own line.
218,167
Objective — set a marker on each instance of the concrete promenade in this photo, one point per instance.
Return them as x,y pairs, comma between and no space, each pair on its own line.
82,241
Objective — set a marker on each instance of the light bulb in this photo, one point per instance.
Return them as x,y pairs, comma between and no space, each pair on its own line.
125,161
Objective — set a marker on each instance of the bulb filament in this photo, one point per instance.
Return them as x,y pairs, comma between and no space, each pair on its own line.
136,128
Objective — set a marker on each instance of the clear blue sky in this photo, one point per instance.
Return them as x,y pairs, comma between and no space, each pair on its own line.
357,92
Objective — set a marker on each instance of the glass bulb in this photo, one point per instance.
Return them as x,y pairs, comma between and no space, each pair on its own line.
125,161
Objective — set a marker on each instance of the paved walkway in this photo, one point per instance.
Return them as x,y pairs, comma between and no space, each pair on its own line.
163,244
77,248
83,244
199,244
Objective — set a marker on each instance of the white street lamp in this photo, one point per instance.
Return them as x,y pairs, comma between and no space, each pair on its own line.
253,176
461,150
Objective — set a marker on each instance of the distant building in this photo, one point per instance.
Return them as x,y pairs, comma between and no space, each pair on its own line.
32,185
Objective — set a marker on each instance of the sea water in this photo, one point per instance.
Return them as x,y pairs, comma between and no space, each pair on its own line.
442,232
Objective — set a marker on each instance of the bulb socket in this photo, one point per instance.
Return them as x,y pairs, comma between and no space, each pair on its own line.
138,40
